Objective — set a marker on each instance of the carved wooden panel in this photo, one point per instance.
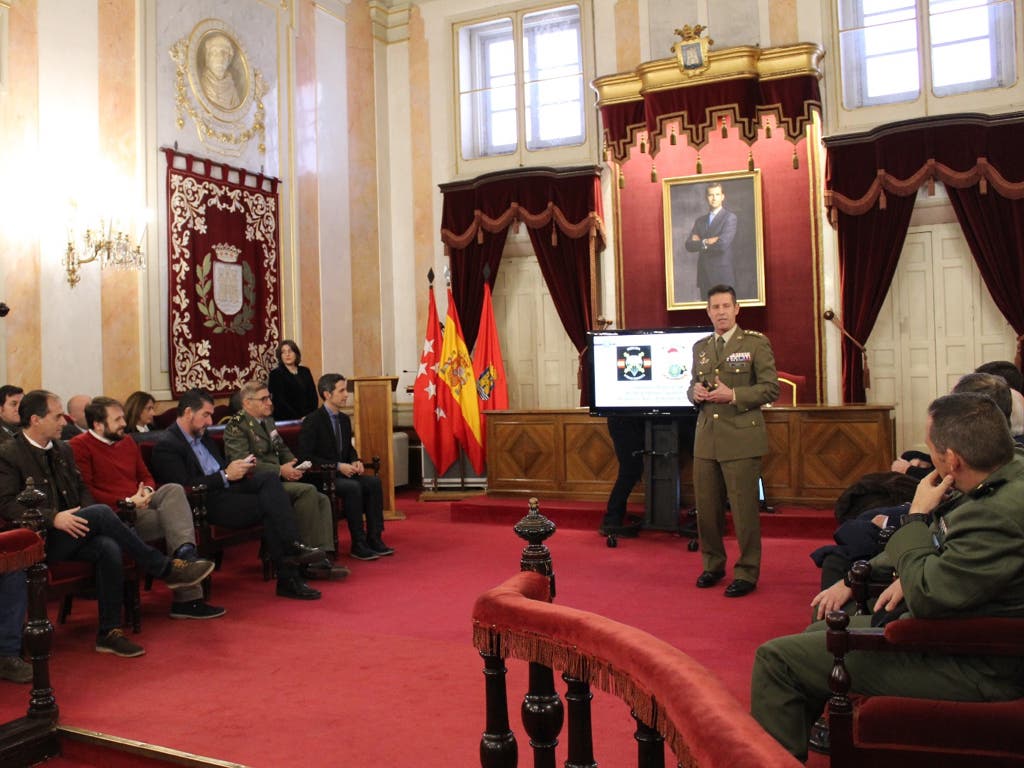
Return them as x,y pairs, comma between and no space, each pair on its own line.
815,453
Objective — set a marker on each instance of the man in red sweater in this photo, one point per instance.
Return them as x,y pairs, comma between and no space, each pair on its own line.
113,470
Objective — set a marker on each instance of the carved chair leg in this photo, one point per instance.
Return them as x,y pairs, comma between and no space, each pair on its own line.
650,745
38,640
498,748
581,737
543,715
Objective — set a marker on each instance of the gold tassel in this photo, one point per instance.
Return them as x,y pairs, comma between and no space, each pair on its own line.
796,160
750,161
607,153
983,186
725,130
672,138
654,173
643,146
700,165
767,130
622,180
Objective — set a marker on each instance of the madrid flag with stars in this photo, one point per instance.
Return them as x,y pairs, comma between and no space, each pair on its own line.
429,418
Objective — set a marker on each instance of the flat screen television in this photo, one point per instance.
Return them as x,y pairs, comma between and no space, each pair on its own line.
642,372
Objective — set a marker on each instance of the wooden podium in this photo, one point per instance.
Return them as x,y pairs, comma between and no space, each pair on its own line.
373,425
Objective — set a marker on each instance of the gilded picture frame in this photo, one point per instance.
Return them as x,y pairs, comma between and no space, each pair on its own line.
728,248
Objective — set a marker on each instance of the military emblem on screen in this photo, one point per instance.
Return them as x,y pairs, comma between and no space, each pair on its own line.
634,363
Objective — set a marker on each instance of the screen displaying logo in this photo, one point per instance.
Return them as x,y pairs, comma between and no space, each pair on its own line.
634,363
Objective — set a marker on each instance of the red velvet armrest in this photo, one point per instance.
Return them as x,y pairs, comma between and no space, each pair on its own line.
984,636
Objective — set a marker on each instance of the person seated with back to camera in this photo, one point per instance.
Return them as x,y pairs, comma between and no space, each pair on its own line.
235,496
112,468
252,432
967,561
78,527
326,438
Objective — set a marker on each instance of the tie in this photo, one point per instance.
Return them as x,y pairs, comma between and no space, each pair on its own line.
720,349
337,430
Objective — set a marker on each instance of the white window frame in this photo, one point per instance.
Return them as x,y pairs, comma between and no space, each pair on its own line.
995,99
584,152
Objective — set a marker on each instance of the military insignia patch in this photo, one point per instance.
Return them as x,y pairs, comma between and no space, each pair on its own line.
634,363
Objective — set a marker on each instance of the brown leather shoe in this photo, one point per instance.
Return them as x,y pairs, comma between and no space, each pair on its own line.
325,571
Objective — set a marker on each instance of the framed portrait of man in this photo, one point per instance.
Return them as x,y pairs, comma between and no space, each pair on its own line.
713,235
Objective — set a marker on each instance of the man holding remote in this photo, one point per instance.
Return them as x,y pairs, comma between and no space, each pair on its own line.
733,377
252,432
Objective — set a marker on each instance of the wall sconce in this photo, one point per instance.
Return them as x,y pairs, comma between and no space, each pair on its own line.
110,246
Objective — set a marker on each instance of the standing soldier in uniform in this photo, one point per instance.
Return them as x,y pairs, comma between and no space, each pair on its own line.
733,376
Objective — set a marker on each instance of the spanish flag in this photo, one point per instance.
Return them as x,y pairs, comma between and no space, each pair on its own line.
456,389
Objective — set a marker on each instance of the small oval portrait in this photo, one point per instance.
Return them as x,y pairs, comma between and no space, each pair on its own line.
221,73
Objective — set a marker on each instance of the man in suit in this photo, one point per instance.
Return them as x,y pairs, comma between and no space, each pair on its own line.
252,432
326,438
967,561
711,238
733,376
10,421
112,468
77,527
236,497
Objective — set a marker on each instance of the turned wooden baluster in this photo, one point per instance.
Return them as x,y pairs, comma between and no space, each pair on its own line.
650,745
498,748
581,737
837,639
542,710
38,632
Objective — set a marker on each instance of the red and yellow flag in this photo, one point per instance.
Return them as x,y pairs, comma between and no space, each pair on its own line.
491,384
428,416
456,389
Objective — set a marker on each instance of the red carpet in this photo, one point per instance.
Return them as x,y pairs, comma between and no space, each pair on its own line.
382,671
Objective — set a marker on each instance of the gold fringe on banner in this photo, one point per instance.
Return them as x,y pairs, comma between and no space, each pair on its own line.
672,138
643,146
622,179
796,160
700,165
654,173
750,161
725,130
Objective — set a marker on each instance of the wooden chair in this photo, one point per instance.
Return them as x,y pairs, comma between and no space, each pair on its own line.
884,731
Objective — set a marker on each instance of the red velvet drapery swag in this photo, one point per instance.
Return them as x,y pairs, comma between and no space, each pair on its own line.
871,181
223,289
562,212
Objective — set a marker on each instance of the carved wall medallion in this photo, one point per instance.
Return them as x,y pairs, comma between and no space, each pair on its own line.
218,89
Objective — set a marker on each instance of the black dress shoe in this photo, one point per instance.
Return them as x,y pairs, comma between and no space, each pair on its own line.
299,554
710,578
379,547
362,551
296,589
739,588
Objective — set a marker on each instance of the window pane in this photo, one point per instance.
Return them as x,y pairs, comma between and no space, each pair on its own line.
893,74
554,115
972,45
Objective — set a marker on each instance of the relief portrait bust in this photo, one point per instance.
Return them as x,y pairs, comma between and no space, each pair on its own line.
222,74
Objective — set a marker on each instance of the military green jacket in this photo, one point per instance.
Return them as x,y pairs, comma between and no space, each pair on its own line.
244,435
727,431
970,560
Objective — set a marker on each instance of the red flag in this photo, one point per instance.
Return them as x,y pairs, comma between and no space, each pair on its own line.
427,416
456,389
491,384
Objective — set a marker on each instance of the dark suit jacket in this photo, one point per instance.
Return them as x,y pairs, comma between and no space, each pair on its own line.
714,263
63,486
174,461
317,441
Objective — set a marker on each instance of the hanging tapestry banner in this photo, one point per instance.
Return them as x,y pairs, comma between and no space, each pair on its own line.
223,285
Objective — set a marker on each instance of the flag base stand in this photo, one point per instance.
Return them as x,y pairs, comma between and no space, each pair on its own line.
459,482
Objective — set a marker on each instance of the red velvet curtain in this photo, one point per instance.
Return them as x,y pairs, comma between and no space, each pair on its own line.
869,249
871,181
561,209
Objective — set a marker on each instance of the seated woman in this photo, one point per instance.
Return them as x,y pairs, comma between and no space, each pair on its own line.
291,385
139,412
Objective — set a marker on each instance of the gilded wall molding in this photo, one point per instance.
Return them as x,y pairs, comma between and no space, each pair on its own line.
728,64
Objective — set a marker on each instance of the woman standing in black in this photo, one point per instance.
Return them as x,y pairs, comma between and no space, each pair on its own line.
291,385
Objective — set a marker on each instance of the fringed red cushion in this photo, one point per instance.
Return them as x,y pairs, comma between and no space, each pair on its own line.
702,722
19,548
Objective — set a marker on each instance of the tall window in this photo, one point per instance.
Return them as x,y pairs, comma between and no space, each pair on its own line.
892,49
521,83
